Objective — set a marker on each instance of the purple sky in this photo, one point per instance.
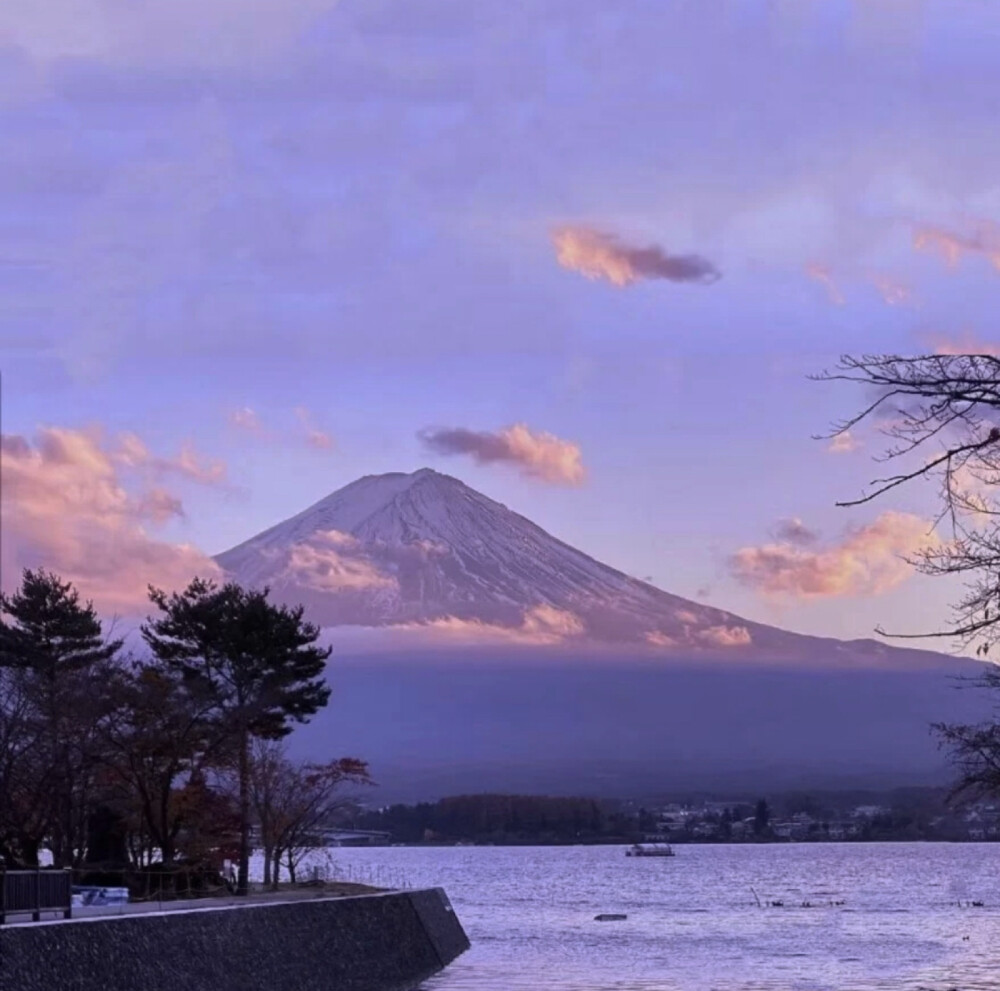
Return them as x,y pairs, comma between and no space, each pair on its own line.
324,239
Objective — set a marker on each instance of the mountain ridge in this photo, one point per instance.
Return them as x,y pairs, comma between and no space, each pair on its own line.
423,551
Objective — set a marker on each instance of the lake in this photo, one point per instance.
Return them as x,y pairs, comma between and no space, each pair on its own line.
693,923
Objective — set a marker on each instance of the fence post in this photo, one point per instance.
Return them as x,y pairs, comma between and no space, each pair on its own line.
3,895
68,913
36,916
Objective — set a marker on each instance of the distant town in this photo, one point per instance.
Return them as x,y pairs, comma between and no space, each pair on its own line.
904,815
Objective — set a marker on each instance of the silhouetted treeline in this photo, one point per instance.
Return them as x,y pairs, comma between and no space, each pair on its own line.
166,763
902,814
503,819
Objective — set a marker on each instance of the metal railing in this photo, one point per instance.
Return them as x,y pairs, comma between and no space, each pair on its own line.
34,892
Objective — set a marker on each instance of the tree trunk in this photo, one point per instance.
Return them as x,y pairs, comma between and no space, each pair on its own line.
267,865
243,872
30,846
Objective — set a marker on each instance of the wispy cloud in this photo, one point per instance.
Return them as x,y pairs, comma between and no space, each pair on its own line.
868,561
537,454
893,292
982,239
691,630
246,419
823,275
315,438
724,636
964,344
159,505
542,625
133,453
331,561
792,530
306,431
974,491
843,443
66,506
600,255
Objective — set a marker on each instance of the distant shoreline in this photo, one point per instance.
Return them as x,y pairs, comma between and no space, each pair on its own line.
778,841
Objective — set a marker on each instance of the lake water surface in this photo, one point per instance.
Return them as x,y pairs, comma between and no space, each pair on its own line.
693,924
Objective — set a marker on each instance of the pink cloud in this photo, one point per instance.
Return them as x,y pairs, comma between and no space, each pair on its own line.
724,636
965,344
537,454
868,561
982,239
160,506
656,638
893,293
314,437
792,530
542,625
331,561
66,508
133,453
843,443
689,630
600,255
246,419
189,464
824,277
975,490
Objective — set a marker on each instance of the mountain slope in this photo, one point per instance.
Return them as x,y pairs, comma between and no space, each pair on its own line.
425,551
728,704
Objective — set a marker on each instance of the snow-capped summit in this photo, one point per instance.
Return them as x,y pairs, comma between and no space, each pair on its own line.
428,552
425,548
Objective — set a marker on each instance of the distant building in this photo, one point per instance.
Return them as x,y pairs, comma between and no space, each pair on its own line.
792,829
356,837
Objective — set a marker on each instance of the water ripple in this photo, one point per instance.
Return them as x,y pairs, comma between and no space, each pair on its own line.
693,923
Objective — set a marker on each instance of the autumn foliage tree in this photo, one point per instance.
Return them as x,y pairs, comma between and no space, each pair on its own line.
156,738
295,801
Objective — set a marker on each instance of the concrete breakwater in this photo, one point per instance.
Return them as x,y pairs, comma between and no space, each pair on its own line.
383,942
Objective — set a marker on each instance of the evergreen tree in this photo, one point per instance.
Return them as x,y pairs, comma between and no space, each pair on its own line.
254,664
761,818
56,655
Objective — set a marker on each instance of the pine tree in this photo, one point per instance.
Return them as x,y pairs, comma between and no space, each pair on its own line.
254,664
761,818
54,650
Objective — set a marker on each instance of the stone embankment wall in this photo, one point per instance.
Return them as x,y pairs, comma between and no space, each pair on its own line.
383,942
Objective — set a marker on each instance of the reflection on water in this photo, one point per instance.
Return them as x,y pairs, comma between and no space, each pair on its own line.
693,923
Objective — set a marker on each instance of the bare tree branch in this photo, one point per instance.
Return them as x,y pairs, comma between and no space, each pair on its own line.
941,414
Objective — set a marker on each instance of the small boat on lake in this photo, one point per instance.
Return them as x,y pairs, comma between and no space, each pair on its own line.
650,850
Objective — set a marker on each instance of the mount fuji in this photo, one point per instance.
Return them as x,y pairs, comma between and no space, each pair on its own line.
585,680
424,552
